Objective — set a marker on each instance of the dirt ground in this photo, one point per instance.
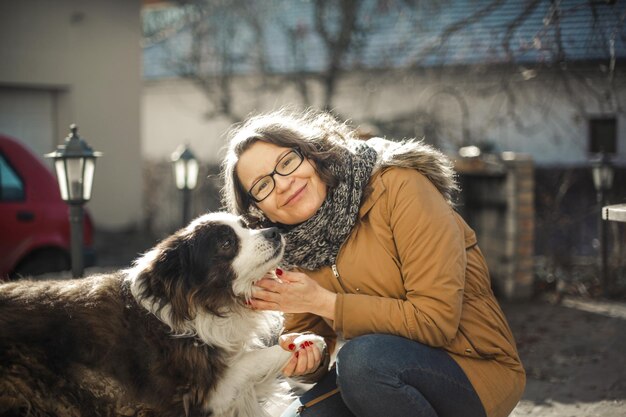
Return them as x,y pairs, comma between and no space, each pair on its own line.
574,351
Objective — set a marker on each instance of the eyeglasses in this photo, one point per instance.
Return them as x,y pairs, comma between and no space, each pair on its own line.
286,165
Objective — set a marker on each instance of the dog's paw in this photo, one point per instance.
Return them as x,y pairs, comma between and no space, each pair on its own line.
305,340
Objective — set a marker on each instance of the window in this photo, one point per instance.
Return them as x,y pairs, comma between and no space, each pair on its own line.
11,185
603,135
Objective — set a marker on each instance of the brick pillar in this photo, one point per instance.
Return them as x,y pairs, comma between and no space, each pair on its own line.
520,225
497,201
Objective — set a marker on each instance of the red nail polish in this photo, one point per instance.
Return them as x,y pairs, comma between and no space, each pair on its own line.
296,354
302,346
307,343
279,271
291,346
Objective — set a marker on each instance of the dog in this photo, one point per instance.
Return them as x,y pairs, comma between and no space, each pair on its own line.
170,336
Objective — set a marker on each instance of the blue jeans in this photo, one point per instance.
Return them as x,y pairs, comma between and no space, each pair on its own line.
385,375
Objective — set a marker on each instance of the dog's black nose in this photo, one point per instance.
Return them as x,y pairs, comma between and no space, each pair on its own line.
271,233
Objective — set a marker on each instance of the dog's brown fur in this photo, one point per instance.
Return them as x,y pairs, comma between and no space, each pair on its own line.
102,328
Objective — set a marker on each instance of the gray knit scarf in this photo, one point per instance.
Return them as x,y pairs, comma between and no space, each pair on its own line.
316,242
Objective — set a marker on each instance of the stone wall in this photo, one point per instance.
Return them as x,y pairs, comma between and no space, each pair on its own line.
497,200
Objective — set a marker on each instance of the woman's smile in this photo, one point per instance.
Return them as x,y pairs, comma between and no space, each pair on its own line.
295,197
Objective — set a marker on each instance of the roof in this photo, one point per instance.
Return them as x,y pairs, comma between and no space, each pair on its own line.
395,34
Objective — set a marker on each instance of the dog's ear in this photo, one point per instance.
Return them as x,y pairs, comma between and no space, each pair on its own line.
189,272
192,285
208,273
165,280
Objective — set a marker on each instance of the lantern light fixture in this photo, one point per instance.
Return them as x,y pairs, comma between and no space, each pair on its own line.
185,168
75,163
602,172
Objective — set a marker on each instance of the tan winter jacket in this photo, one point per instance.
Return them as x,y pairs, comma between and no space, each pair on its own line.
411,267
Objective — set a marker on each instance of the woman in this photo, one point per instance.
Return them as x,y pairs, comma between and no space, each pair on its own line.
375,253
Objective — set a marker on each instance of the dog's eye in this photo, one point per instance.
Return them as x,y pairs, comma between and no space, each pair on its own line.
226,245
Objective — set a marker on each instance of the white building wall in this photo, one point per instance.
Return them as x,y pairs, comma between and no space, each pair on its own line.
544,119
87,53
174,113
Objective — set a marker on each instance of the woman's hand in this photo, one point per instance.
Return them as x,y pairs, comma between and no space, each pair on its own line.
304,361
296,292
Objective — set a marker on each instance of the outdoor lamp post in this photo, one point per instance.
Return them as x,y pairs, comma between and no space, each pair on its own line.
602,173
185,167
75,163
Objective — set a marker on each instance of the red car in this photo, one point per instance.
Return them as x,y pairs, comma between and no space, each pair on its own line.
34,221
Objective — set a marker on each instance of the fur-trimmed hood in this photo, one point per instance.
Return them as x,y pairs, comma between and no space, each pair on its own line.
420,156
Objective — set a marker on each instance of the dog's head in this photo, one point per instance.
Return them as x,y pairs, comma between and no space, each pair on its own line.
208,266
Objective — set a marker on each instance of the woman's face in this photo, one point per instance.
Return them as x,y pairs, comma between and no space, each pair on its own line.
296,197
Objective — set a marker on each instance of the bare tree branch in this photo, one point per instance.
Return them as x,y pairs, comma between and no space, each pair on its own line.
338,44
612,39
453,28
515,23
